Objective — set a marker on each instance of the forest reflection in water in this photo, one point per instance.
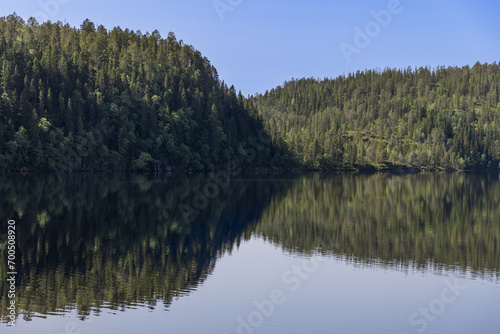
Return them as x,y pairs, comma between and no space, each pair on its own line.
94,242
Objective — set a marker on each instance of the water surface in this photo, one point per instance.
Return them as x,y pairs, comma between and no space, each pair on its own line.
286,253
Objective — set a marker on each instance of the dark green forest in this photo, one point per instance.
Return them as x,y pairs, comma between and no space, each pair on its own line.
426,118
89,98
93,99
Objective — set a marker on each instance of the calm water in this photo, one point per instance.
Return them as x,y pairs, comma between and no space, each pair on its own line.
316,253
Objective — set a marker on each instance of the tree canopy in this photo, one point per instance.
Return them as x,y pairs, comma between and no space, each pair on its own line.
442,117
90,99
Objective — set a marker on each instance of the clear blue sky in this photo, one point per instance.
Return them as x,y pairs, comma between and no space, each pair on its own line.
259,44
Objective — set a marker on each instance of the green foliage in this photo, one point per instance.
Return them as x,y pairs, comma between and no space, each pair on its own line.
446,117
143,162
112,95
91,99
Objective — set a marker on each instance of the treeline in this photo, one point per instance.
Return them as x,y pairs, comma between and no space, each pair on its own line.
88,98
443,117
91,99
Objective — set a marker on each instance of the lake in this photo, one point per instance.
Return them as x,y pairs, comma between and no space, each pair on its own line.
260,253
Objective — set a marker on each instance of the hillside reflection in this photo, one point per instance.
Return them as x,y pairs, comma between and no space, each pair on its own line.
106,242
438,219
91,242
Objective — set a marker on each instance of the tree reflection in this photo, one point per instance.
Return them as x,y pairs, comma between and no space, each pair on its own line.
90,242
444,219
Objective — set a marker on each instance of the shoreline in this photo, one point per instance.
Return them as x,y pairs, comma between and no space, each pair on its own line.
394,169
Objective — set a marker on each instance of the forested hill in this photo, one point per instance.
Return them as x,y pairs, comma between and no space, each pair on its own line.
90,99
444,117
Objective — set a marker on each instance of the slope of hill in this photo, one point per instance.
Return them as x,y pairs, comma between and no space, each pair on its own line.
91,99
445,117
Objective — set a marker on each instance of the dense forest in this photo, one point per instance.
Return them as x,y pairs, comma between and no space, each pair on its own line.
443,117
89,98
